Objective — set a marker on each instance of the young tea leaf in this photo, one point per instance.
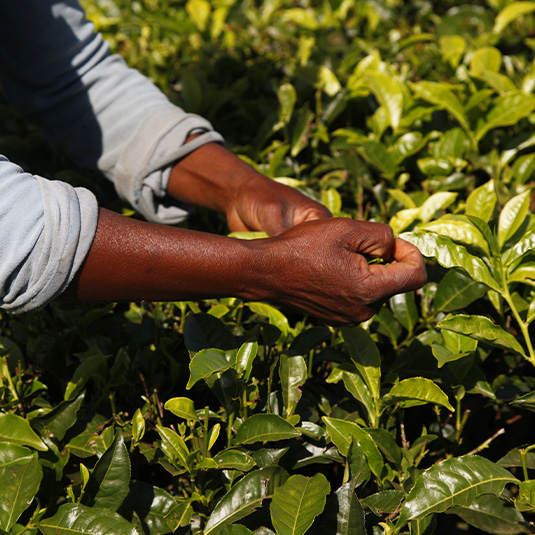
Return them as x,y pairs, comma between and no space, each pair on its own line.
483,329
293,374
17,430
511,12
450,255
420,389
512,216
388,92
206,363
182,407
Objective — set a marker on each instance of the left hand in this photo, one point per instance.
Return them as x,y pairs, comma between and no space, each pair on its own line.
213,177
265,205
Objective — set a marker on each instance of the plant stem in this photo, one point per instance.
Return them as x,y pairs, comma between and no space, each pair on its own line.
523,456
522,324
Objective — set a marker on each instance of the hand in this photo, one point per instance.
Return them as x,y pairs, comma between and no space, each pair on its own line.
322,268
214,178
265,205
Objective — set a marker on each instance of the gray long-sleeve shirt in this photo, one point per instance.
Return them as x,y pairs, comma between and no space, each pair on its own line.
59,72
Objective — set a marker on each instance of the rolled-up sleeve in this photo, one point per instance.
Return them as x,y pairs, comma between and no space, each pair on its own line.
55,68
46,230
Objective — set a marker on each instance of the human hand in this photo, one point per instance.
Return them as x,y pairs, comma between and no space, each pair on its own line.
322,267
265,205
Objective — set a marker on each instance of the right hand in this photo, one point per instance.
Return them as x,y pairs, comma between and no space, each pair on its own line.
320,267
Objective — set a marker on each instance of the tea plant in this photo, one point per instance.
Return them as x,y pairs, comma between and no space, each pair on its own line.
230,418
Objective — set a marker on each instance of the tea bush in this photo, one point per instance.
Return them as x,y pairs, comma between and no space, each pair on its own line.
230,418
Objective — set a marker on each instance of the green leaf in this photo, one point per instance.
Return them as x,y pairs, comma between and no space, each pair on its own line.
297,502
206,363
365,355
389,94
199,12
356,386
512,216
376,154
245,496
455,482
526,496
487,234
203,331
459,229
452,48
386,501
437,202
450,255
511,12
20,478
440,95
293,374
506,110
343,433
287,98
92,361
173,446
343,514
264,428
17,430
404,308
244,359
456,291
417,388
487,58
157,509
481,201
234,460
182,407
483,329
275,317
524,245
75,518
60,419
491,514
109,480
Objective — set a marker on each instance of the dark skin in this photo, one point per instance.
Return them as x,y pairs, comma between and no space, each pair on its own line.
311,261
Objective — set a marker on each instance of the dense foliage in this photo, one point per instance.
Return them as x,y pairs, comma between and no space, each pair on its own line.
229,417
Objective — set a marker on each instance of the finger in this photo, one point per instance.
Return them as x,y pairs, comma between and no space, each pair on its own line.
311,213
405,273
373,239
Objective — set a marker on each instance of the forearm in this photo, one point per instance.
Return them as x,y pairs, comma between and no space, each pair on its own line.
134,260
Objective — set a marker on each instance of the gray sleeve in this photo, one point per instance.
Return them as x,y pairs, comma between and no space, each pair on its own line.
46,229
56,69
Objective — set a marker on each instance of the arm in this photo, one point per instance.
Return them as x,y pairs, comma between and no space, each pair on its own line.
317,266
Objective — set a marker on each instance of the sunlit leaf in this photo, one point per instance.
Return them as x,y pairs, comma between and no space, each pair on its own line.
293,374
511,12
386,501
234,460
17,430
483,329
449,255
441,95
455,482
275,316
481,201
417,388
182,407
343,433
206,363
388,93
512,216
525,244
506,110
297,502
287,98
